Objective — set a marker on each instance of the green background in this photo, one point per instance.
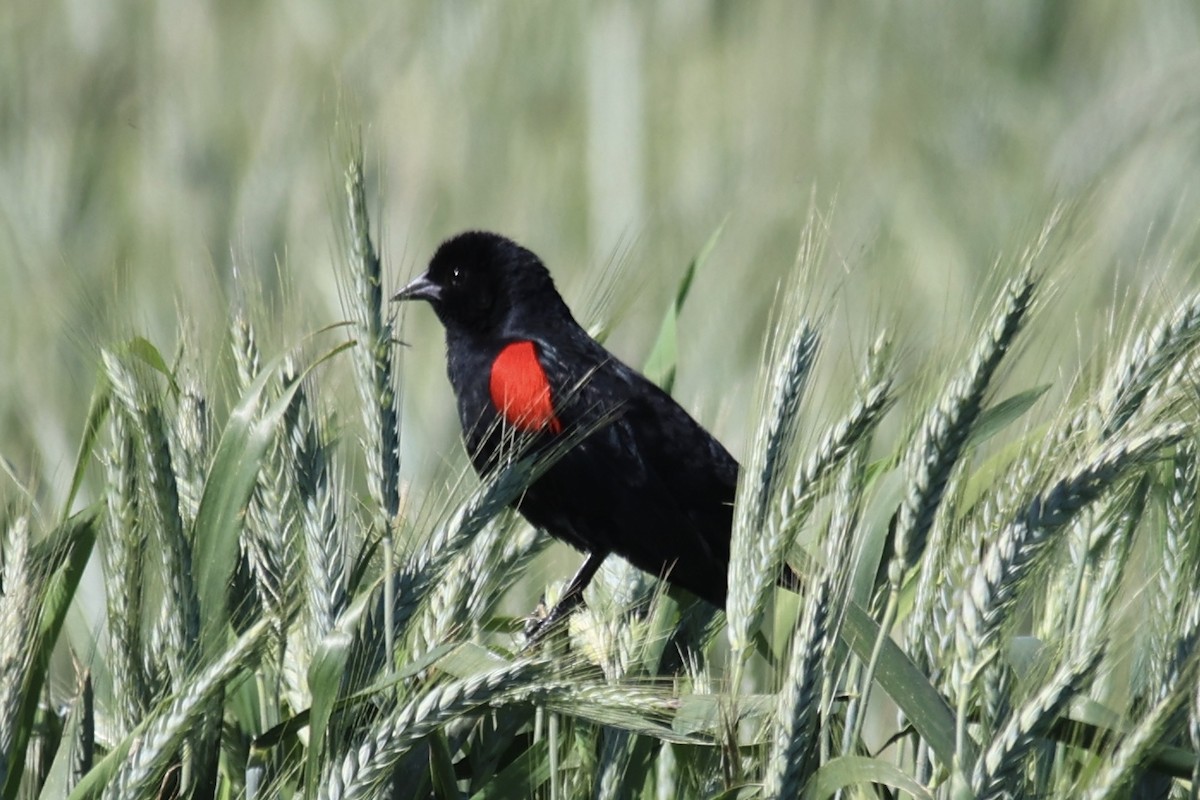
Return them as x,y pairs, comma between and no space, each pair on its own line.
155,157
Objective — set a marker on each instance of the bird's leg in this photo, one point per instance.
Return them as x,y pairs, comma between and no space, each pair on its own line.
571,598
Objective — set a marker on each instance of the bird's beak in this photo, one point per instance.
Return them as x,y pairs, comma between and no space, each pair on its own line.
421,288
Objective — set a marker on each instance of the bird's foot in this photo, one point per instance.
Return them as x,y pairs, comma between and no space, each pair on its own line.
542,621
538,625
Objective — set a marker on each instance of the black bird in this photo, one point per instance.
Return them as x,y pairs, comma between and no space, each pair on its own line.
645,481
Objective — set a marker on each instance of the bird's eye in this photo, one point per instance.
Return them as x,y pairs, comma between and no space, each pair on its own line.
456,275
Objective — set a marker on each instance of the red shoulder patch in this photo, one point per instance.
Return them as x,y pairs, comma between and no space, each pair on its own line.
520,390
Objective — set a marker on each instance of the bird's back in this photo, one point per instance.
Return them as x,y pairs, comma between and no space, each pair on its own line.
646,481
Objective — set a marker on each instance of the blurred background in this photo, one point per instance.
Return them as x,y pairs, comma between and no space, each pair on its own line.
158,157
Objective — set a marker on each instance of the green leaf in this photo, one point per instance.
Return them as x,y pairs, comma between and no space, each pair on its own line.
105,771
708,714
326,679
521,779
142,349
441,768
1002,414
231,480
470,659
63,555
660,364
889,490
846,771
906,685
78,731
324,682
97,411
300,720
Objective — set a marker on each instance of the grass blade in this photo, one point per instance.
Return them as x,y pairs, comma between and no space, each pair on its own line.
65,555
232,478
664,355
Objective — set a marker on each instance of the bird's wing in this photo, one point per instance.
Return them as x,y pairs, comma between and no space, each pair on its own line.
648,483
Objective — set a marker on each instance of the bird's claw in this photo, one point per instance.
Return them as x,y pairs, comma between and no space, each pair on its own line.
537,628
535,623
542,621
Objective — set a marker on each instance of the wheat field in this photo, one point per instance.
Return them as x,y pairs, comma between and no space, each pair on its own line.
929,270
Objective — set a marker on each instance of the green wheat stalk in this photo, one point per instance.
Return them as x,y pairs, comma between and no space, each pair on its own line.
935,453
366,768
847,512
947,427
794,740
758,546
1152,730
322,525
178,623
469,583
157,742
270,523
1151,355
795,500
428,562
122,553
998,770
612,768
374,368
189,442
19,580
990,587
1112,542
1176,572
374,358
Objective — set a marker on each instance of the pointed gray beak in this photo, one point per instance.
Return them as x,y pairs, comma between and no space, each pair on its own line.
421,288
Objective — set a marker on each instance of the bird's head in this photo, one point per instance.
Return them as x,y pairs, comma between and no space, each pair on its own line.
482,284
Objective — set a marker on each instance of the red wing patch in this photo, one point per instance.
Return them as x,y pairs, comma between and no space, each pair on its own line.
520,390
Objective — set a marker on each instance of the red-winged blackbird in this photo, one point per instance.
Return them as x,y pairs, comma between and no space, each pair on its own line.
645,481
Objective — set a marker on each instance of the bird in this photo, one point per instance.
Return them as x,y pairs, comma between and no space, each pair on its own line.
641,479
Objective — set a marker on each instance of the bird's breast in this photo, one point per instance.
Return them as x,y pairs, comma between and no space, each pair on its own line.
502,387
519,390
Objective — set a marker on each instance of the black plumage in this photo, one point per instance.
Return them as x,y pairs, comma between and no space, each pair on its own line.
645,481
